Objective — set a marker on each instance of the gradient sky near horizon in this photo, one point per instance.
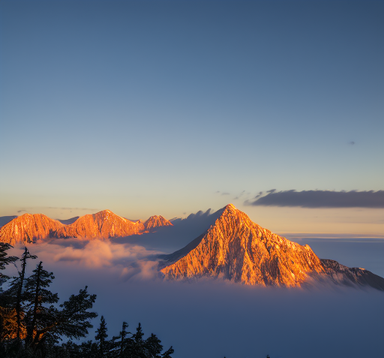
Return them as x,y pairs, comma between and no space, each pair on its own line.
170,107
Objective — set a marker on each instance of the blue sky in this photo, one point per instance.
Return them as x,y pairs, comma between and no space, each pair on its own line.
169,107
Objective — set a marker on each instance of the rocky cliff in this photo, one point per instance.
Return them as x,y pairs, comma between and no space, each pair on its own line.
28,228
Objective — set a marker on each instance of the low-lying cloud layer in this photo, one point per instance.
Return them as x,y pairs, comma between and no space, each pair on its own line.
321,199
125,260
227,319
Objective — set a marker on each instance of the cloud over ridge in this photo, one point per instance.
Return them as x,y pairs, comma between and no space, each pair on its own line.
321,199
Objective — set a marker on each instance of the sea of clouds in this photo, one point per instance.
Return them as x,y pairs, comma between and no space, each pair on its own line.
213,318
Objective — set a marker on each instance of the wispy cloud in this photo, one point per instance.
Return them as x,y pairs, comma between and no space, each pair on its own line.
222,192
242,195
62,210
320,199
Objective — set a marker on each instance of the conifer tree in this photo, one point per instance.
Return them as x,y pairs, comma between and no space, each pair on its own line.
74,316
39,316
7,314
153,346
138,342
5,260
16,289
122,345
167,354
41,323
123,334
101,336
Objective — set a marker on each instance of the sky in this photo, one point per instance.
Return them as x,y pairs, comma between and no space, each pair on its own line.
171,107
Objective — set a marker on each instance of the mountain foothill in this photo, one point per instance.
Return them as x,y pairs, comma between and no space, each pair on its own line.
233,248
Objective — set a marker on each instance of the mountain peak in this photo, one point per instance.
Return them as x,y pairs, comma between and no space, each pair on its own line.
105,214
156,221
230,207
103,224
237,249
106,211
28,228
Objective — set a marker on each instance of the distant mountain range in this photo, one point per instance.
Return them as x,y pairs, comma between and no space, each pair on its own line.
233,248
29,228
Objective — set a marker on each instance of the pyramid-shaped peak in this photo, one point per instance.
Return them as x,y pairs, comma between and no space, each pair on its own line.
230,208
156,221
238,249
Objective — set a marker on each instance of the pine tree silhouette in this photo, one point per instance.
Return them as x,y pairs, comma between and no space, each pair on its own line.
101,336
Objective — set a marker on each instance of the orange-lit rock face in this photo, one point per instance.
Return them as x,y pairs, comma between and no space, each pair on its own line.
156,221
28,228
237,249
104,224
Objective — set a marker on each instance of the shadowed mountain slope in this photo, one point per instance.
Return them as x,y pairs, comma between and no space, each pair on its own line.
344,275
69,221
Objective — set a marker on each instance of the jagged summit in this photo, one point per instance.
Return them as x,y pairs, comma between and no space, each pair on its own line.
237,249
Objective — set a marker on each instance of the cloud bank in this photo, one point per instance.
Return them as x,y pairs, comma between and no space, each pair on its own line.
227,319
125,260
321,199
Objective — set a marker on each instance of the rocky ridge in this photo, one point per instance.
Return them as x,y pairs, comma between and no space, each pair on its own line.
28,228
104,224
237,249
347,276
